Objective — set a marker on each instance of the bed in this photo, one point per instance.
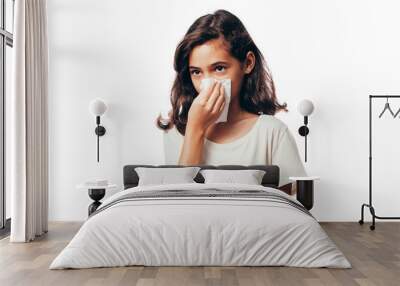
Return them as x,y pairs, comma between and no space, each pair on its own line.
201,224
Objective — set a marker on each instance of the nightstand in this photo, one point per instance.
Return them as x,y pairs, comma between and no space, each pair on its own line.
96,193
305,190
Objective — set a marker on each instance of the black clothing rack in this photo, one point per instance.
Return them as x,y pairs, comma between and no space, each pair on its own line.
369,205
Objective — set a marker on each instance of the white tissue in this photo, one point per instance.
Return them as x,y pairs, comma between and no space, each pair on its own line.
226,83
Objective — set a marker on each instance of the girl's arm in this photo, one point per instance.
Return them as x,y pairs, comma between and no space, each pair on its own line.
192,149
205,109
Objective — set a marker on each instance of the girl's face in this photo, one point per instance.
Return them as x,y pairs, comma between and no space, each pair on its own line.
212,59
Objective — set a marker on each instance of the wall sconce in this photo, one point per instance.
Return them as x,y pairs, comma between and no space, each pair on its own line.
97,107
305,108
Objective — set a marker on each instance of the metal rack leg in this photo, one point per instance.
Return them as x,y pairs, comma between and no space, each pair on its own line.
374,216
372,210
361,221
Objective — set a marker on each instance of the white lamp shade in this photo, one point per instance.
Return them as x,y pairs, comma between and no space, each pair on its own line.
305,107
97,107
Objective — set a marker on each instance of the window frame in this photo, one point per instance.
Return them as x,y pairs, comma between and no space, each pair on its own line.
6,39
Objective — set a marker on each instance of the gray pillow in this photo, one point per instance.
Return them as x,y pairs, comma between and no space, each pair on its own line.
162,176
249,177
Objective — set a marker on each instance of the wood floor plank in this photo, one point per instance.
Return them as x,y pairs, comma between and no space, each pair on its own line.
374,255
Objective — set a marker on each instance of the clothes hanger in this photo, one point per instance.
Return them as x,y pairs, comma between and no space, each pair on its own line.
387,106
398,111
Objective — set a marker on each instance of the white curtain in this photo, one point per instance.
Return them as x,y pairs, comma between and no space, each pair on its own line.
28,123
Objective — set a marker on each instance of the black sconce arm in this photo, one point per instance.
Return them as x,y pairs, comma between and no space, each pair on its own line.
303,131
100,131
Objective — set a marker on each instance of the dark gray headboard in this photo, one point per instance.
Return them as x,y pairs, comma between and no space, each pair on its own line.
270,179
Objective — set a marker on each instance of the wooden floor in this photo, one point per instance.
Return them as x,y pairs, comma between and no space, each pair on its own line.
374,255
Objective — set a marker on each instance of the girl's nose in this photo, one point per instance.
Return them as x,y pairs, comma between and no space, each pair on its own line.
207,75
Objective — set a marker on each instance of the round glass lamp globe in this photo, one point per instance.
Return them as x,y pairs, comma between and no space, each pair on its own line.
305,107
97,107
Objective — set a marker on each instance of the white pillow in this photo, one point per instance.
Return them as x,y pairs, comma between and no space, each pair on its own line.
249,177
162,176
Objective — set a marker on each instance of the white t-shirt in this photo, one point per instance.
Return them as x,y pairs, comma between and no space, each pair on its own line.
268,142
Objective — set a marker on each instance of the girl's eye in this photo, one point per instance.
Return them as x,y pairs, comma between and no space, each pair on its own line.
195,72
219,68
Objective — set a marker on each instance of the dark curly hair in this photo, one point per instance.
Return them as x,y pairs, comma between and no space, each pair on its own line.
257,94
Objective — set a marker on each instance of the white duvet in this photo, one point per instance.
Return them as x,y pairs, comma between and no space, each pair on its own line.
200,231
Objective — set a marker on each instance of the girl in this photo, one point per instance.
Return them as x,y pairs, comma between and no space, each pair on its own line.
218,46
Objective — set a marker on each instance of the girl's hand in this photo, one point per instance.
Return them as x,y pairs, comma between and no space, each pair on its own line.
206,107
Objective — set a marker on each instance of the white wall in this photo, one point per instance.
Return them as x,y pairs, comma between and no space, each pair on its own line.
335,53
